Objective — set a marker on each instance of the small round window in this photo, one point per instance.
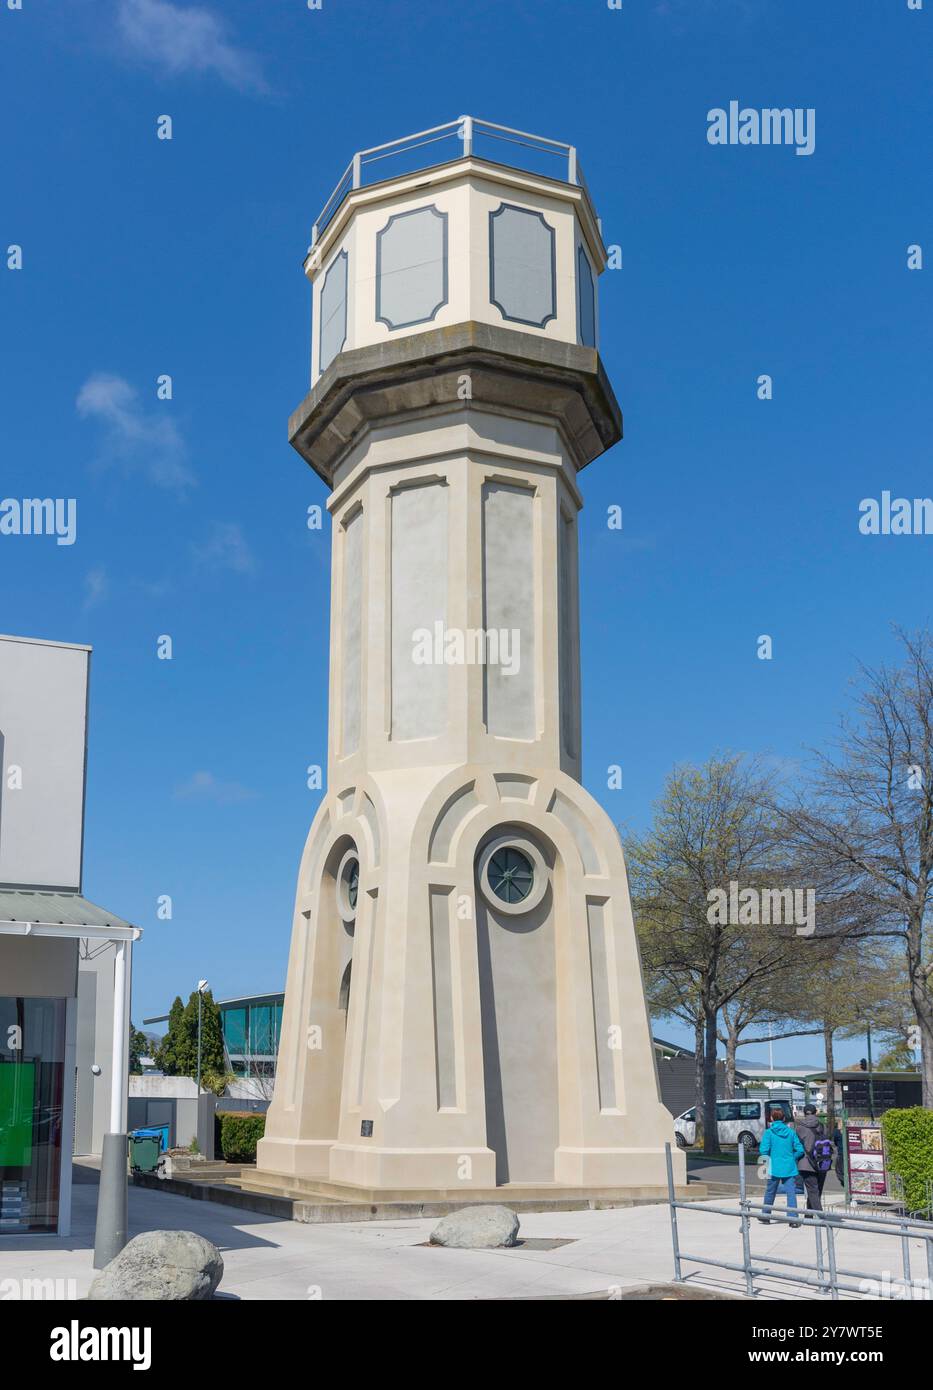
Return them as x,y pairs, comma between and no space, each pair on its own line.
348,885
513,876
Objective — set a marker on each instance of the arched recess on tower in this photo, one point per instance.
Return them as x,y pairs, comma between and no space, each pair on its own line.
516,954
335,931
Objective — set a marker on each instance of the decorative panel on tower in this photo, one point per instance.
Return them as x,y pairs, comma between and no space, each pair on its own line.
351,634
418,603
522,266
334,310
586,299
569,654
600,974
509,610
443,937
411,267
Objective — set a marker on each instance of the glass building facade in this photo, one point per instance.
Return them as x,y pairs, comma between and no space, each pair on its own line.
252,1028
32,1091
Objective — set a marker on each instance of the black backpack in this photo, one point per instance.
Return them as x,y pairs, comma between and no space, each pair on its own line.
821,1155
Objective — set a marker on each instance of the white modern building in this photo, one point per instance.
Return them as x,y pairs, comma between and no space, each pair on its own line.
64,962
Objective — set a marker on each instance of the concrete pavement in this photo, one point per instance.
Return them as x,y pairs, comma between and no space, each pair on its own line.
568,1253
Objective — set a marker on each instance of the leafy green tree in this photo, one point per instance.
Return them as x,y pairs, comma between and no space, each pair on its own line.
212,1038
216,1081
178,1052
173,1056
139,1047
900,1058
846,982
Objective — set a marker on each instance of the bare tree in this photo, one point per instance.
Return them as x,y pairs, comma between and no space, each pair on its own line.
713,826
866,824
824,999
750,1009
673,994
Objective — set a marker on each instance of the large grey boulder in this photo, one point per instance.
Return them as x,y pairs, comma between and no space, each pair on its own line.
477,1228
161,1265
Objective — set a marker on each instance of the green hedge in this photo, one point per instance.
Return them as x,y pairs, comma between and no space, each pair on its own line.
908,1136
240,1131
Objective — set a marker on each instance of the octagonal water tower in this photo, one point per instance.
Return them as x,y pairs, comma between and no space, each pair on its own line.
464,1008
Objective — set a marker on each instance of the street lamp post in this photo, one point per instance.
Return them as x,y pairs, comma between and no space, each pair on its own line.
871,1080
111,1228
202,986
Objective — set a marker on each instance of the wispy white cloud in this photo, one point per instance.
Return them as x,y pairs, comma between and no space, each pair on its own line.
204,786
142,441
96,588
181,39
154,588
683,13
225,548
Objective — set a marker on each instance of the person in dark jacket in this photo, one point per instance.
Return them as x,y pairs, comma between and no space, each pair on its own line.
783,1149
838,1143
809,1130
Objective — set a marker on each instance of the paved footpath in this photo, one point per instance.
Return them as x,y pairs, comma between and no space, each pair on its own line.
266,1258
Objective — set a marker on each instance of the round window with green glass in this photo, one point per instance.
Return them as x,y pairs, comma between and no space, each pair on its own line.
348,885
511,874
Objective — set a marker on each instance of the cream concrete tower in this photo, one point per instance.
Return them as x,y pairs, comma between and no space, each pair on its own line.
464,1006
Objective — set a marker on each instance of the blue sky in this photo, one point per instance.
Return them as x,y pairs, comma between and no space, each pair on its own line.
143,257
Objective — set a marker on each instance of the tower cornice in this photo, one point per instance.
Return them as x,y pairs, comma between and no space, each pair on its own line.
504,368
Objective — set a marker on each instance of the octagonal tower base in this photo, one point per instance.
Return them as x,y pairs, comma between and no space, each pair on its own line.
447,1046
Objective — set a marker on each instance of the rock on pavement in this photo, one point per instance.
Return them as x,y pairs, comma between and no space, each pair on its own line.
477,1228
161,1265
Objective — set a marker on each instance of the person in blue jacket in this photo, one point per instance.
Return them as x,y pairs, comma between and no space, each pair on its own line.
782,1147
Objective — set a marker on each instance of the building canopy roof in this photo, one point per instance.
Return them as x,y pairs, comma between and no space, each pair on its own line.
28,912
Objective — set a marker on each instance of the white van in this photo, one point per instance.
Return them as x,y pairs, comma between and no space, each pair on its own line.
739,1122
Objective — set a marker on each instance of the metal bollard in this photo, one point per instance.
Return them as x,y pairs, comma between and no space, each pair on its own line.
672,1208
745,1219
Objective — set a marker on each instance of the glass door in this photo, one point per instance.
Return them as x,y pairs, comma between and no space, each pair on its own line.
32,1074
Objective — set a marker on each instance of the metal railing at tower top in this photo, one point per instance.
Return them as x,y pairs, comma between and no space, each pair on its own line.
465,136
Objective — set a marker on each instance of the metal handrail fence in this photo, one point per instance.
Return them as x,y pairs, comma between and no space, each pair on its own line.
825,1274
466,130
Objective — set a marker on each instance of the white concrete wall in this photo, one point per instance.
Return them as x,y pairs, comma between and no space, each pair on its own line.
43,737
164,1087
94,1044
40,966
